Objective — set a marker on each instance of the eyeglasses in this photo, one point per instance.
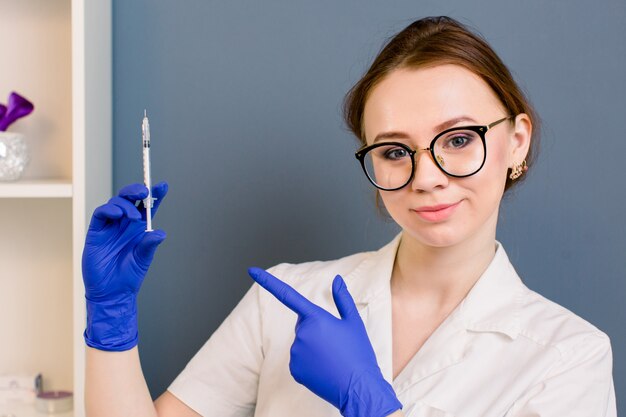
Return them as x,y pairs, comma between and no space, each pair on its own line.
459,152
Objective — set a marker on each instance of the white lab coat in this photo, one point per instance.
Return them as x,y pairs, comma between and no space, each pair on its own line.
504,351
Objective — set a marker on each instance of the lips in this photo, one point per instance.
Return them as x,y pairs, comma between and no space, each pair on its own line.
435,208
437,213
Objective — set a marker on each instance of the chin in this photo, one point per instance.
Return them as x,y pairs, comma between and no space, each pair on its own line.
436,235
461,229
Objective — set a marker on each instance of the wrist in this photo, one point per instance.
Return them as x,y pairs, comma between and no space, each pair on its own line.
372,396
112,324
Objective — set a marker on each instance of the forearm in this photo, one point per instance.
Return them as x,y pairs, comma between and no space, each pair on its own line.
115,385
398,413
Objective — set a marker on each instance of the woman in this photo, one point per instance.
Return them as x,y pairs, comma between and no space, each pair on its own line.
436,323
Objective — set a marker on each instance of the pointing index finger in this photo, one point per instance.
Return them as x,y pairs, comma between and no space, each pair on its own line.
291,298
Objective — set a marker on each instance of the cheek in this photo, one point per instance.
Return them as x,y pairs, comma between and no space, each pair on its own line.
392,199
497,161
398,205
488,184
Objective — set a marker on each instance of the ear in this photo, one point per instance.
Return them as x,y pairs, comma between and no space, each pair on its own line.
520,139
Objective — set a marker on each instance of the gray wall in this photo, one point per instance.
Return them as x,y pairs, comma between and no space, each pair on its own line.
244,103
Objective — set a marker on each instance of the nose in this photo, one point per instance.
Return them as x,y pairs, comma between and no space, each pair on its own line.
427,175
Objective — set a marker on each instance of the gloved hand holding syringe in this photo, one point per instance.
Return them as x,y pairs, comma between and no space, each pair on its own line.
116,258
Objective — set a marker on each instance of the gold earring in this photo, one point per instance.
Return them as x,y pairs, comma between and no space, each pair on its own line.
518,170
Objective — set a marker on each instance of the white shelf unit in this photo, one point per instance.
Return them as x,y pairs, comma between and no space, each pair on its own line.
58,55
40,188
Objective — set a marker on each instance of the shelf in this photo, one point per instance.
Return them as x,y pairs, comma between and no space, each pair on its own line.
28,410
48,188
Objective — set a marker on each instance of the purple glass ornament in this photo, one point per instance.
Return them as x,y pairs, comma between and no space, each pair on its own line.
18,107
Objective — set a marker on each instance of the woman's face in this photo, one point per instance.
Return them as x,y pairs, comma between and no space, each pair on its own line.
412,106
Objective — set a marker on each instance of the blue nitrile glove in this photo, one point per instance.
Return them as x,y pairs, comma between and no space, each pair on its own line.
116,257
334,357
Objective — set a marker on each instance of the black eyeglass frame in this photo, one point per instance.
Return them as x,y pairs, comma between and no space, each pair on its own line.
481,130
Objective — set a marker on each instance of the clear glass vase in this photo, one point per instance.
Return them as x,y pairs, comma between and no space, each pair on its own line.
14,156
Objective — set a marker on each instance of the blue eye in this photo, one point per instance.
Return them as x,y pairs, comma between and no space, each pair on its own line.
458,141
396,153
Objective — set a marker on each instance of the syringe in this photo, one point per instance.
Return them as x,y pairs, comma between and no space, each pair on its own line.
147,180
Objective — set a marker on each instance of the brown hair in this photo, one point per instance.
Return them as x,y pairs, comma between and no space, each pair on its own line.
434,41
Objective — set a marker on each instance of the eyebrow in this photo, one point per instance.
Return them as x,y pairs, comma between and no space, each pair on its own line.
439,128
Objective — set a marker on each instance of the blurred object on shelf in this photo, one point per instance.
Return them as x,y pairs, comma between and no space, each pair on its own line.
22,388
54,401
14,156
16,108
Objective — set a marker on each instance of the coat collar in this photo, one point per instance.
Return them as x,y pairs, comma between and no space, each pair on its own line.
371,277
492,304
495,301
